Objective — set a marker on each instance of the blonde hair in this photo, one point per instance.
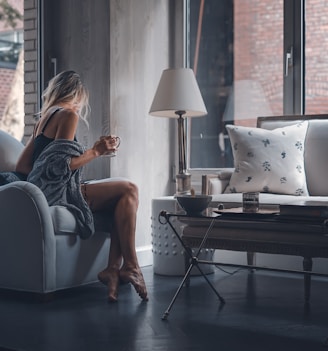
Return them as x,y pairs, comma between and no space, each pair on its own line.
66,87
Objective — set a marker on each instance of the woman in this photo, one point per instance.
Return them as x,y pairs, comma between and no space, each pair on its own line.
65,100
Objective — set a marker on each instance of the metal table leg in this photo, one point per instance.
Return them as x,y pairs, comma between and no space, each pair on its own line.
194,262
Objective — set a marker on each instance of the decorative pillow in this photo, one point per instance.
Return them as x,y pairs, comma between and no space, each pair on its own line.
270,161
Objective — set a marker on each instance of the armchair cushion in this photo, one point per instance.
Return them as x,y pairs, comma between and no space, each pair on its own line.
65,223
63,220
269,161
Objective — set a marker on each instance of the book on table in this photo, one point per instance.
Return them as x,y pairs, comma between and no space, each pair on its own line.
306,208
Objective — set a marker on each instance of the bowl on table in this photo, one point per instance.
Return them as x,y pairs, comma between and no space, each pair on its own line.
194,204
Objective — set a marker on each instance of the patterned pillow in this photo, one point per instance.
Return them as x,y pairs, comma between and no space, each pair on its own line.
270,161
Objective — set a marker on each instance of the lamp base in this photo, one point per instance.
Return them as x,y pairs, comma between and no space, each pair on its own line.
183,183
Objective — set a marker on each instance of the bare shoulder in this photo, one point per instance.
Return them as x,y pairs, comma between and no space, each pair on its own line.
67,121
67,116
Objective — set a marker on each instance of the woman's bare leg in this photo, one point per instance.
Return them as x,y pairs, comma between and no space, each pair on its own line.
122,198
110,276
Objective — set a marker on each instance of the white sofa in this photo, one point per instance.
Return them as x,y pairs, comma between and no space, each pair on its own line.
315,165
40,249
295,239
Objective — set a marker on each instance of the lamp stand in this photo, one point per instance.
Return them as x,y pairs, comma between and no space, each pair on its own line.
183,178
183,183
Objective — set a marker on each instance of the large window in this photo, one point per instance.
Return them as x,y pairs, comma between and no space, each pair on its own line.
11,67
253,58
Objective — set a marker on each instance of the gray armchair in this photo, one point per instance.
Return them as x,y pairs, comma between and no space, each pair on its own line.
40,249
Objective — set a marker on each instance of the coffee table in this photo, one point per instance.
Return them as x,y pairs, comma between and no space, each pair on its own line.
259,232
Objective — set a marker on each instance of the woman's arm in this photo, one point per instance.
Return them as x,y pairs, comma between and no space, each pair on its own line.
67,130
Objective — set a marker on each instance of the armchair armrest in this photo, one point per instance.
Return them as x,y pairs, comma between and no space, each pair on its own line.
27,240
216,183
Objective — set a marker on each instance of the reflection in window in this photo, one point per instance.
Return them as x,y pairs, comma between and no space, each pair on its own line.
236,50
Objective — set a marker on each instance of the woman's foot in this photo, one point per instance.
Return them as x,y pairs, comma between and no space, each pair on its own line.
135,277
103,276
111,278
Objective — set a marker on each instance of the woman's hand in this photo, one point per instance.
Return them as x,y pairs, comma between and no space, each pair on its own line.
106,145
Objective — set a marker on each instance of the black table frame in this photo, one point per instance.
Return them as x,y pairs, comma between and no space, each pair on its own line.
164,217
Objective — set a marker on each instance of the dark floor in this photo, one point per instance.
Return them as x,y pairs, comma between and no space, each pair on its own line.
263,311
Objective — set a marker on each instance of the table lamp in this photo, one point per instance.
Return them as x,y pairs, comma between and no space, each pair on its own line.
178,96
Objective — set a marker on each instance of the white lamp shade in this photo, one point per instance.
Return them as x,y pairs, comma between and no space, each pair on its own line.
178,91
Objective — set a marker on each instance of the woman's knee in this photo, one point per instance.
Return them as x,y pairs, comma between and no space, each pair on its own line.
133,190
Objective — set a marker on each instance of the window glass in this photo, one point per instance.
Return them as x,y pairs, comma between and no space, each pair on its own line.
236,51
316,63
11,44
12,68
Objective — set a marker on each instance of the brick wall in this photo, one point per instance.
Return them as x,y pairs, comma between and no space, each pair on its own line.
31,64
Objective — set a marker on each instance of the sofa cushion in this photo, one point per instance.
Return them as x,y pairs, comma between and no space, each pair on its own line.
269,161
316,157
231,200
315,151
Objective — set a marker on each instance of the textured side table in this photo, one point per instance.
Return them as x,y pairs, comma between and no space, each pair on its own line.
168,253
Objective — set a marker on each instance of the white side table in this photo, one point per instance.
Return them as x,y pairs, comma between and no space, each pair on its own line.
168,253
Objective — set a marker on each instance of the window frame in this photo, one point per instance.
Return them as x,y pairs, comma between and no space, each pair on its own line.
294,43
